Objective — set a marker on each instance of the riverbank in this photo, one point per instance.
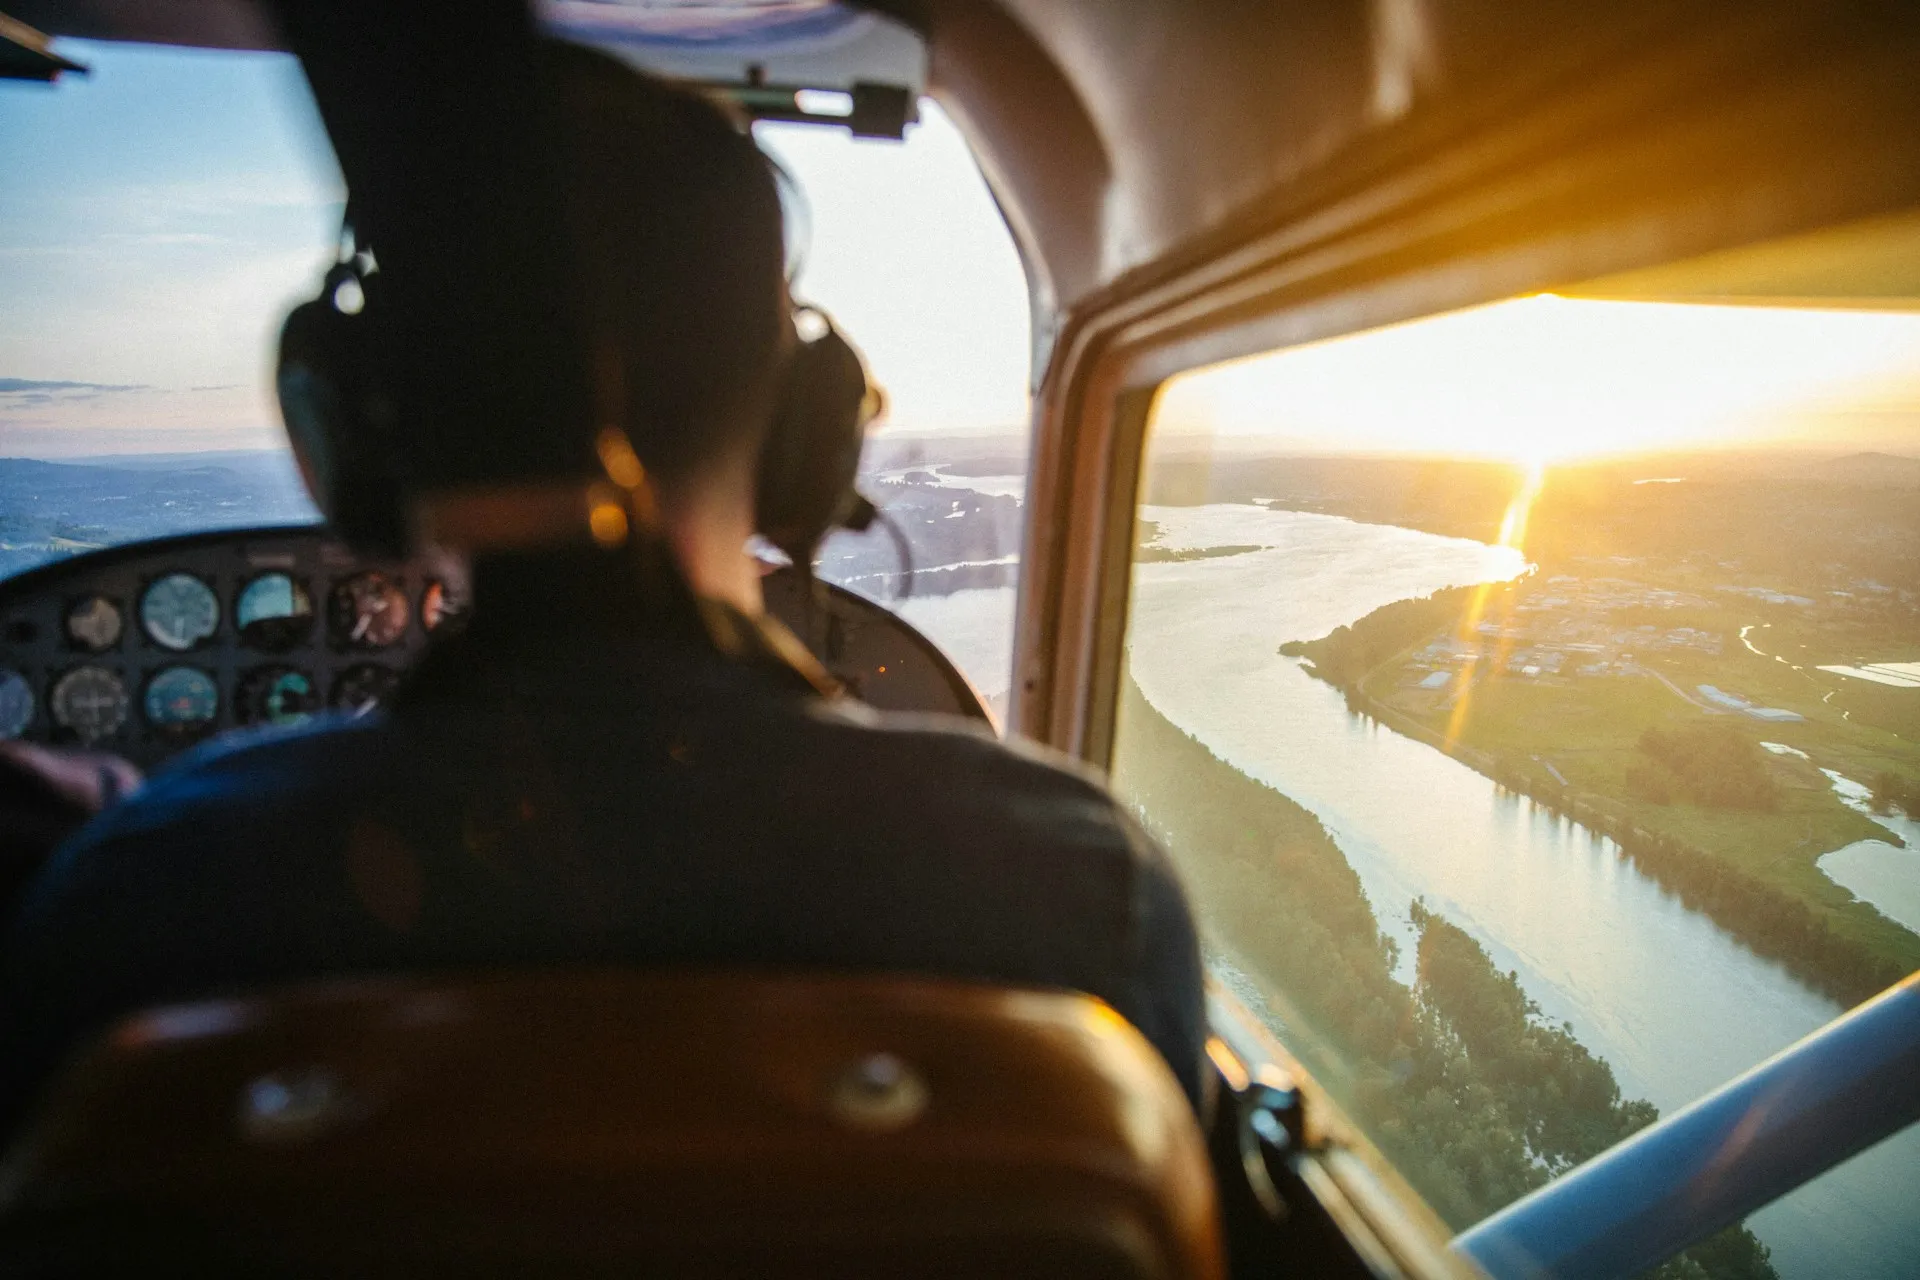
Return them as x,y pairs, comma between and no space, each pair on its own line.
1671,1001
1464,1085
1792,925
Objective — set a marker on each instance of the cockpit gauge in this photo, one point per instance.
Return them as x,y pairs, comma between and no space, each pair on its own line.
275,695
16,704
361,688
89,702
441,606
94,624
179,611
367,611
182,701
274,613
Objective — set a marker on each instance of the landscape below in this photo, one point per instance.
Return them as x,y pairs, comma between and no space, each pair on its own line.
1660,677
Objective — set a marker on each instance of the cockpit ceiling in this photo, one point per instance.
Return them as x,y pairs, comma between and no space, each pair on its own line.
818,44
1128,140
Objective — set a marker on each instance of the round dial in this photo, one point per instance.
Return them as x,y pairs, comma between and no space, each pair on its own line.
361,688
16,704
94,624
179,611
440,606
367,611
181,700
275,695
274,613
89,702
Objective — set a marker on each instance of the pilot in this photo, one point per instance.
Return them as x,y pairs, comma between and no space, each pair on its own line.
620,761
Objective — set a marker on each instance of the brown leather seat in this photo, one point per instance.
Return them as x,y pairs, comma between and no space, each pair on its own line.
698,1124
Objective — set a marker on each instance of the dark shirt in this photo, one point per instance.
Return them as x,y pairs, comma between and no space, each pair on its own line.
626,796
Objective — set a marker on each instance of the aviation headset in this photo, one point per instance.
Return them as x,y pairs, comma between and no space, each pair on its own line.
344,423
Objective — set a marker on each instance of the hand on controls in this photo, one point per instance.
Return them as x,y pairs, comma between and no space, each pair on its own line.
46,793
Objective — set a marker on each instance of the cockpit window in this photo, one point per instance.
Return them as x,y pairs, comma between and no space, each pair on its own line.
906,249
158,218
1530,697
161,214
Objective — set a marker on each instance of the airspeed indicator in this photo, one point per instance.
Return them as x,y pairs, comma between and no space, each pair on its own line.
179,611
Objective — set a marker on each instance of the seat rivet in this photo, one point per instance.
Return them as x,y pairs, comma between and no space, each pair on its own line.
294,1106
878,1093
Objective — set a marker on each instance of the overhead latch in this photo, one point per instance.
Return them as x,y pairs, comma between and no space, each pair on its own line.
27,54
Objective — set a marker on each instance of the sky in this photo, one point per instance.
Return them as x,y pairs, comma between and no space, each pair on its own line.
157,219
160,216
1546,378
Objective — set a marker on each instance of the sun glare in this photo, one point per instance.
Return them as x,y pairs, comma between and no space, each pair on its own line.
1545,378
1513,533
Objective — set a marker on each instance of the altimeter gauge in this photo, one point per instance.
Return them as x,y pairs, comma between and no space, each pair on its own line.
90,703
179,611
182,701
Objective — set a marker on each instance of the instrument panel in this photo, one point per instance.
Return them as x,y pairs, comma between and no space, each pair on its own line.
146,649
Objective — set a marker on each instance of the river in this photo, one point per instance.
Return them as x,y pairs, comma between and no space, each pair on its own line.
1879,872
1671,1001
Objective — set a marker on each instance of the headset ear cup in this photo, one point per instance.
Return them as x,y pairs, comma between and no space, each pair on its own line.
328,402
812,452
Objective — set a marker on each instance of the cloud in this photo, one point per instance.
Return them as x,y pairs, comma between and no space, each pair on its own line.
44,386
224,386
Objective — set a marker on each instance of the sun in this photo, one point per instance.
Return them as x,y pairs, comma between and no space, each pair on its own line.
1545,379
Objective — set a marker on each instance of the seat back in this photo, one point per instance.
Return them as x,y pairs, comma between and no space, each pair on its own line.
603,1122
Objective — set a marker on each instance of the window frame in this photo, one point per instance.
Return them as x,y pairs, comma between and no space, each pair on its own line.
1655,165
1723,139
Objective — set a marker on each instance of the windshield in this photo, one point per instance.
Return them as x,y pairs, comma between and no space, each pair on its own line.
162,214
1530,697
159,217
906,249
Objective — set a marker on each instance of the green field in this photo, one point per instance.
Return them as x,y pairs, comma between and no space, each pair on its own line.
1587,730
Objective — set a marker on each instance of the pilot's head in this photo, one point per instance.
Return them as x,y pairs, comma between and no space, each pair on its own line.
675,220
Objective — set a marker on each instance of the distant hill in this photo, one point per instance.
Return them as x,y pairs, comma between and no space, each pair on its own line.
50,510
1877,469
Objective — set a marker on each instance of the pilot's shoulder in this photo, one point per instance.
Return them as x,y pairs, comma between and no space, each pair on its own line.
959,766
929,737
268,764
276,746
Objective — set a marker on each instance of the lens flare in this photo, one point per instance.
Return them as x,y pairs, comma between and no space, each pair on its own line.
1513,533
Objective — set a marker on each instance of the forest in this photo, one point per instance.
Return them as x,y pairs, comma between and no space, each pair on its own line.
1891,791
1345,656
1147,548
1471,1094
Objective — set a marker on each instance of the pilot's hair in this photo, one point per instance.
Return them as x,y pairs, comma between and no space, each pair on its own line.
676,222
